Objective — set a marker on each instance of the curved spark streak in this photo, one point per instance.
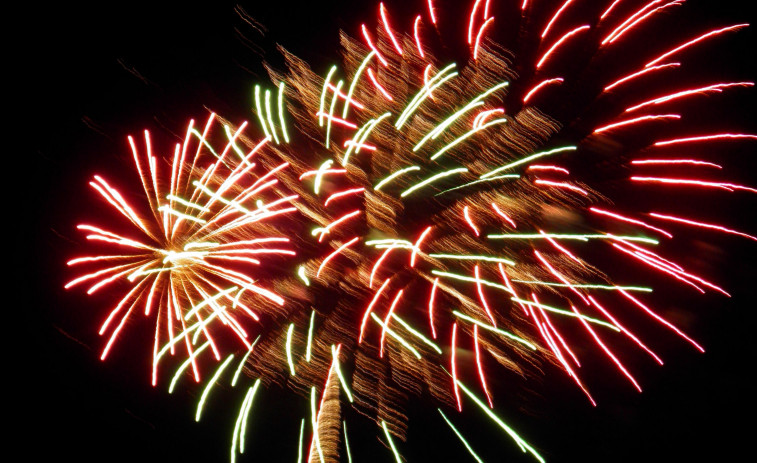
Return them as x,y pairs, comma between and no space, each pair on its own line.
557,44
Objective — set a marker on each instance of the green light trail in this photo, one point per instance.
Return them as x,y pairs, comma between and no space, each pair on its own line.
433,178
353,84
391,333
568,313
460,436
528,159
281,112
471,279
391,442
289,349
323,95
518,440
566,236
465,136
210,385
494,329
473,257
395,175
242,362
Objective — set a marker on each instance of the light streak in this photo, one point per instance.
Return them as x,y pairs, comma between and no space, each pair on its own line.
554,18
624,330
635,120
372,47
483,115
314,424
503,215
453,365
185,365
717,136
391,442
565,185
323,231
494,329
700,224
388,319
524,446
397,337
548,167
479,35
378,86
639,74
607,351
417,37
474,103
481,297
281,113
260,113
567,236
290,362
389,29
431,307
693,182
395,175
417,245
299,446
529,159
342,380
686,45
431,11
694,162
616,216
557,44
242,362
212,382
269,116
417,333
442,77
661,320
370,307
326,83
460,436
480,367
346,442
466,214
344,96
470,21
456,276
246,414
334,254
241,418
637,18
695,91
567,313
609,9
539,86
432,179
355,80
332,118
465,136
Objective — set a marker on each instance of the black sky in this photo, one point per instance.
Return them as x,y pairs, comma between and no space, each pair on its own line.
92,75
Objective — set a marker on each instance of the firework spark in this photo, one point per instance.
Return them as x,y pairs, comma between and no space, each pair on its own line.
437,207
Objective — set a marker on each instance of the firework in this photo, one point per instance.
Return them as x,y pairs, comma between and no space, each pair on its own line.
441,207
198,248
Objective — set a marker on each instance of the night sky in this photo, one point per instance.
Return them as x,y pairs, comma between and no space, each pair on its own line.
92,75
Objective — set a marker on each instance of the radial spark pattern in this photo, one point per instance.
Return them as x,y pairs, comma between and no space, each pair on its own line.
435,207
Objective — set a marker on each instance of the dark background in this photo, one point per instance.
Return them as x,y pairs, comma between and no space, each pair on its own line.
91,75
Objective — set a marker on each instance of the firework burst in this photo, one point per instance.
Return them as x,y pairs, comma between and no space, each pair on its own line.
437,208
200,246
